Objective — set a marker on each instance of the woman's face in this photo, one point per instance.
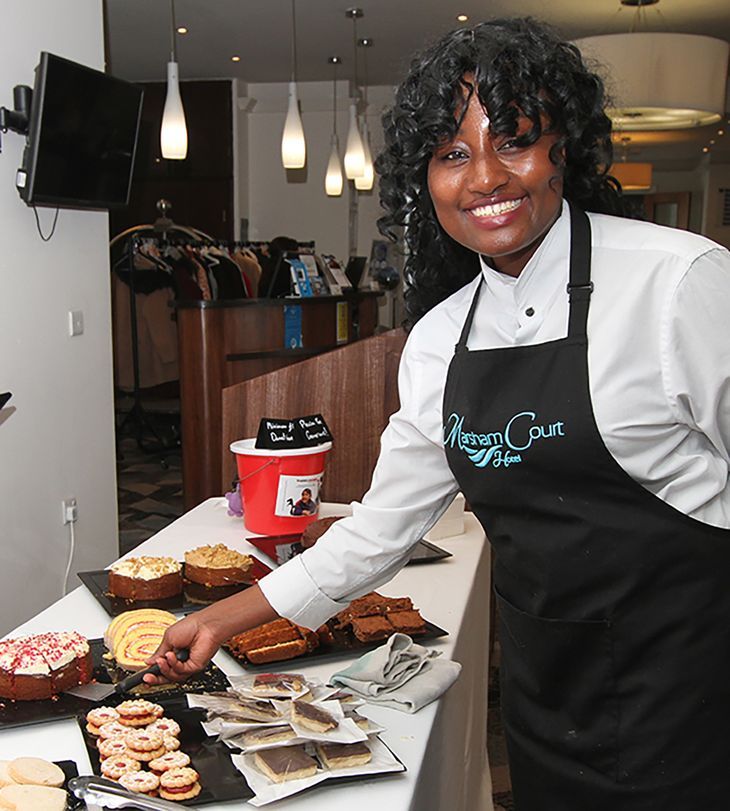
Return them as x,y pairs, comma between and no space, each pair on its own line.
492,196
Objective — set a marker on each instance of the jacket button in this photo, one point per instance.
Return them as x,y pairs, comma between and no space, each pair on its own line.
529,312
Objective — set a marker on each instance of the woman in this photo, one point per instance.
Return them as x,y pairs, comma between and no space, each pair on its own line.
567,373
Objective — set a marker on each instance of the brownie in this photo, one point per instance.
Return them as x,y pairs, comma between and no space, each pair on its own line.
407,622
367,629
317,529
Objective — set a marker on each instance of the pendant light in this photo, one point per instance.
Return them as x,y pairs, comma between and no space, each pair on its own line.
631,175
354,152
293,145
661,80
333,178
365,183
174,132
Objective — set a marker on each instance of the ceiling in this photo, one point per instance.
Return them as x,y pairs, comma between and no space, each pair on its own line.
259,31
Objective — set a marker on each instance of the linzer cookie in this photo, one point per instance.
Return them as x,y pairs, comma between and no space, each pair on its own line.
170,760
140,782
146,578
165,726
115,767
98,717
111,747
144,746
313,717
285,763
138,712
179,784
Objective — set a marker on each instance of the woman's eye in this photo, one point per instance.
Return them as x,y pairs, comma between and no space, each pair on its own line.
510,143
453,155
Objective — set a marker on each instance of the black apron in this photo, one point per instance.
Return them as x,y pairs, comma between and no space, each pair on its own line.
614,607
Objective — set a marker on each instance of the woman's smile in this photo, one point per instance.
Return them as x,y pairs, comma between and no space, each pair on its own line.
491,194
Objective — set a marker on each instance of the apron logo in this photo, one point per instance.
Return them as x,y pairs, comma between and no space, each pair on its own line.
500,448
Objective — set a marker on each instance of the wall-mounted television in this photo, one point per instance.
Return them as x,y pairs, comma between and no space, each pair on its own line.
82,137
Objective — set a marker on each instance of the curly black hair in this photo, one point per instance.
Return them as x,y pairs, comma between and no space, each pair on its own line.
518,65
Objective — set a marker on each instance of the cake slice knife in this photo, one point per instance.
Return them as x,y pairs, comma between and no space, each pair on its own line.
97,691
108,794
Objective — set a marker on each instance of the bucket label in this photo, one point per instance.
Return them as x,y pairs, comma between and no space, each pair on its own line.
298,495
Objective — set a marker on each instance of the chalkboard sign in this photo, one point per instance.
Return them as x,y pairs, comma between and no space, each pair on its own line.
313,430
301,432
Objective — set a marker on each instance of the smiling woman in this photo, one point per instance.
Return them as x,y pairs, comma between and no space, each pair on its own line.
492,126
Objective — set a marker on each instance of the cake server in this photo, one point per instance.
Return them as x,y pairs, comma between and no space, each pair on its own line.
108,794
98,691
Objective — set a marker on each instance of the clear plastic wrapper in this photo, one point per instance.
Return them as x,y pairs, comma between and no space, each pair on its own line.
267,791
272,685
346,731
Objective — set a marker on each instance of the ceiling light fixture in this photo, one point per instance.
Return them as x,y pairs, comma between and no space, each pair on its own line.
174,132
293,145
182,30
354,151
662,81
365,183
462,18
333,178
235,58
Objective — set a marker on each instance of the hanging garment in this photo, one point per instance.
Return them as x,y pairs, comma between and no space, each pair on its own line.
614,611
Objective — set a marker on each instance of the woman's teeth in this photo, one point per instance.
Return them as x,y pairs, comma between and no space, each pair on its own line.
496,209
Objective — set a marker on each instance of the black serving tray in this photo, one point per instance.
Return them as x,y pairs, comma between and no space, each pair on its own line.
345,645
65,705
193,598
220,780
427,552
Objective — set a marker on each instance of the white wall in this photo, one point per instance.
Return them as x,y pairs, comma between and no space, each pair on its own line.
293,203
56,434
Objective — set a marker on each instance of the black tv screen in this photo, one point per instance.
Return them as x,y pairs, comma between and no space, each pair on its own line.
82,137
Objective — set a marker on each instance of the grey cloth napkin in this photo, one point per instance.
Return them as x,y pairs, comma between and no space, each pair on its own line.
399,674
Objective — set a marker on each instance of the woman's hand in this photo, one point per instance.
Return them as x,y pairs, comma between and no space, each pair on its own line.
205,631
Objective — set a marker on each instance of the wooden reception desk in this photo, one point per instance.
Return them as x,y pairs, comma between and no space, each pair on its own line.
226,342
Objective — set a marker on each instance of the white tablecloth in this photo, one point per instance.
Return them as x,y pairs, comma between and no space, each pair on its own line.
443,745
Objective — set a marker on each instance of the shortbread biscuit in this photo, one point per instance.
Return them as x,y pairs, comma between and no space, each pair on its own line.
33,798
35,771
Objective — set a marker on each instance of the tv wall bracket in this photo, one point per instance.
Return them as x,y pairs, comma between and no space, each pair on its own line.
17,119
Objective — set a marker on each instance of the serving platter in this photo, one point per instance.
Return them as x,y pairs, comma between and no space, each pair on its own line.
65,705
193,598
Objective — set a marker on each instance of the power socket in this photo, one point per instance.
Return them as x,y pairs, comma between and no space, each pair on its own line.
70,510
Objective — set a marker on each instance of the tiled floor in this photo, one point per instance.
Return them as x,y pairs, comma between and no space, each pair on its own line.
150,498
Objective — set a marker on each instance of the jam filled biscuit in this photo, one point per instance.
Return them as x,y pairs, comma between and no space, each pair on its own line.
111,747
113,730
144,745
165,726
179,784
171,743
171,760
140,782
139,712
98,717
115,767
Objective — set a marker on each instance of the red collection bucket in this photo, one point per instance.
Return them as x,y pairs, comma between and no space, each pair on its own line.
279,488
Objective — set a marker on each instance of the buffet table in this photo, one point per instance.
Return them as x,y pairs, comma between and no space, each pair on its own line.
443,746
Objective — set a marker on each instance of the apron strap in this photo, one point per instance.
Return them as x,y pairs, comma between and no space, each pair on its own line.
580,285
466,329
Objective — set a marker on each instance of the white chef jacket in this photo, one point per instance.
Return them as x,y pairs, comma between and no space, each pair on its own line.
659,370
